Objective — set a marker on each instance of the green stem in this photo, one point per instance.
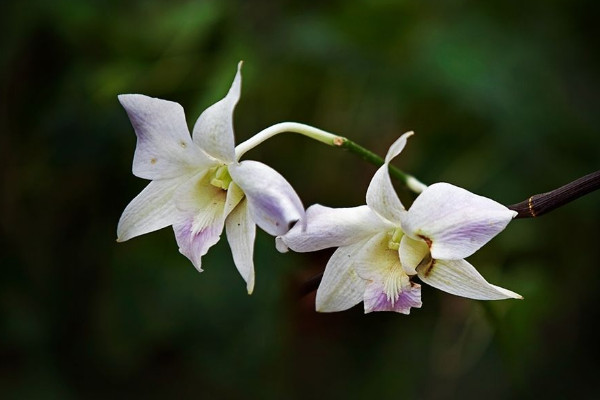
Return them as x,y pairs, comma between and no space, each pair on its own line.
410,181
332,140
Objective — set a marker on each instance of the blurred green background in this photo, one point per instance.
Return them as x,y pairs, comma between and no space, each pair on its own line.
503,97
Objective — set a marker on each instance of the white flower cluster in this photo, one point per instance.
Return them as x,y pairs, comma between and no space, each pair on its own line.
198,186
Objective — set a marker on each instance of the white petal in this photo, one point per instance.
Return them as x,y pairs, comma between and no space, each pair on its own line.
381,195
273,203
412,252
150,210
453,221
341,288
164,147
213,131
234,197
206,207
241,232
462,279
332,227
397,147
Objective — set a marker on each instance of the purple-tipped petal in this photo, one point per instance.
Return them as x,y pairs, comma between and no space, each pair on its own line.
381,195
460,278
206,208
213,131
273,203
241,232
164,147
376,299
332,227
454,222
341,288
150,210
194,240
389,287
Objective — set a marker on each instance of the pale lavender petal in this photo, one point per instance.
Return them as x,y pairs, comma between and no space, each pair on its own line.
213,131
206,207
273,203
381,195
241,232
194,238
164,147
150,210
332,227
379,265
375,298
460,278
454,222
341,288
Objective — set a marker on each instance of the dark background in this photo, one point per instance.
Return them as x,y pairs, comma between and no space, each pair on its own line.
503,97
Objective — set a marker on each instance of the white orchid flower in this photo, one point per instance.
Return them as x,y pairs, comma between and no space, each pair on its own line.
381,245
197,184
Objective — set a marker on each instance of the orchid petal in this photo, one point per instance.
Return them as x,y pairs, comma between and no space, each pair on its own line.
164,147
453,221
273,203
198,234
389,288
150,210
375,298
412,252
198,195
341,288
206,207
460,278
241,232
213,131
376,260
332,227
397,147
381,195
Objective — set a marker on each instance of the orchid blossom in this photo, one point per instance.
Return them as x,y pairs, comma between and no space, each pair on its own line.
381,246
198,185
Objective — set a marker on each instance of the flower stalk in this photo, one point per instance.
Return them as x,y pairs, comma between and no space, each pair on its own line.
331,140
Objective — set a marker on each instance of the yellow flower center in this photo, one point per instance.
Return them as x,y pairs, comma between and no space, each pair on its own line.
221,177
395,237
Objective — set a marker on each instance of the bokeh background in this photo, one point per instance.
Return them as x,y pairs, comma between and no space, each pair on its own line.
503,97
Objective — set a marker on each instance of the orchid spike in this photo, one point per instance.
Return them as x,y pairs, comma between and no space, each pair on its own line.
198,186
381,246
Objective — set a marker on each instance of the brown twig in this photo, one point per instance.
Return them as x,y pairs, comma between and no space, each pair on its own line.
540,204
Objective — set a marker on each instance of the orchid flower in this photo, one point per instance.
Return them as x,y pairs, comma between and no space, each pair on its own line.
381,246
198,185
